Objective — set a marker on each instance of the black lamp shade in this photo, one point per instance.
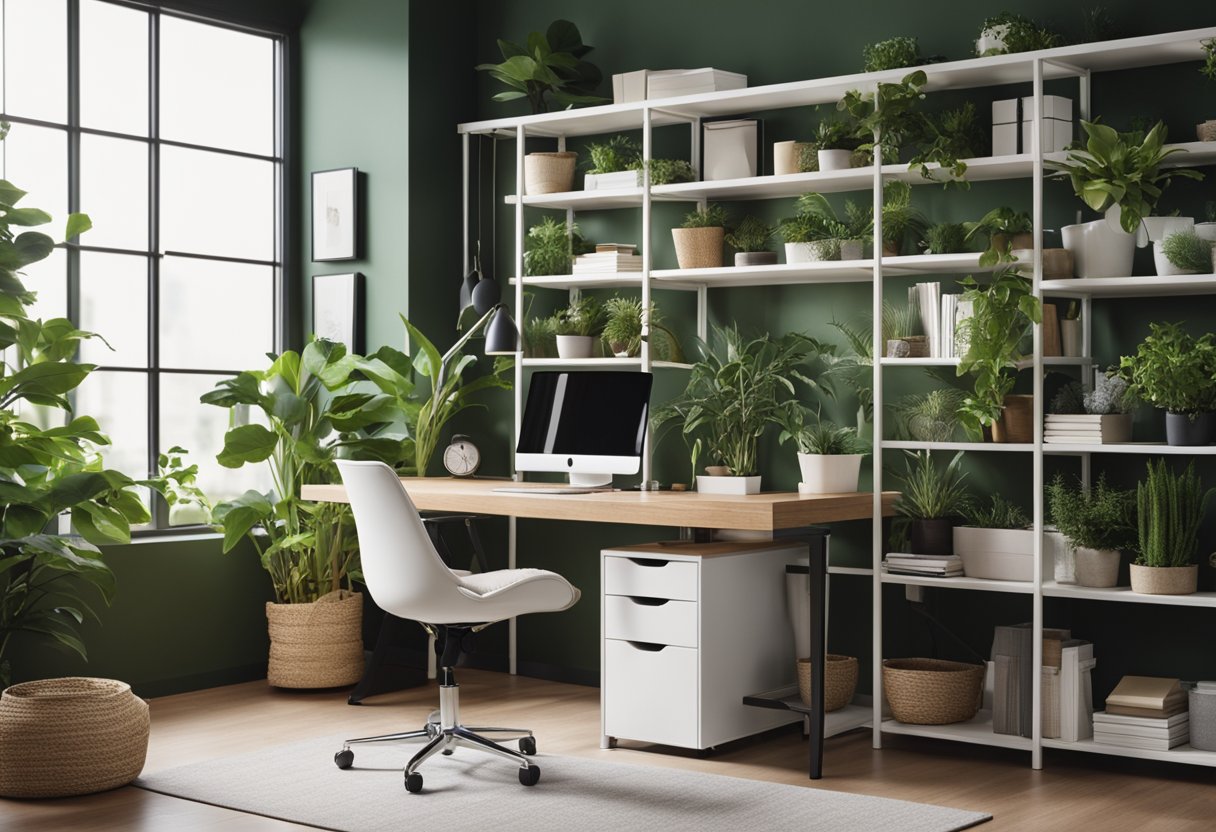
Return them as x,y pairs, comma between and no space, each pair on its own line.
485,294
467,286
502,336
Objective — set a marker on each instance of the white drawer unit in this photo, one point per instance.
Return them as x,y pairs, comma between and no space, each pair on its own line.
688,630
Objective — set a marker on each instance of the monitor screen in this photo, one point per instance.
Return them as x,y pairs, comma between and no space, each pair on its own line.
590,413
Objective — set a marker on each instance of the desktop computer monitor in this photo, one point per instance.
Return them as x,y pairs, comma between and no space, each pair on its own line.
589,424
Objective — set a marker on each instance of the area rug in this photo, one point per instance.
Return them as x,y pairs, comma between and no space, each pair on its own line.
470,791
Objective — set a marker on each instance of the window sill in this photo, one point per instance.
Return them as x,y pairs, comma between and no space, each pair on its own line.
188,534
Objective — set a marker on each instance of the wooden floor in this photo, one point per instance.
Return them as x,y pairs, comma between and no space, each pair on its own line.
1073,792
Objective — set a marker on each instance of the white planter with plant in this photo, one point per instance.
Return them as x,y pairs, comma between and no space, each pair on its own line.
1183,252
623,331
1097,523
699,240
577,327
836,142
614,164
1176,372
829,456
1169,511
815,233
751,241
1206,230
995,542
928,417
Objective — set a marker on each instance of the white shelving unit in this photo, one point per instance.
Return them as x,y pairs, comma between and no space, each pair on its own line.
1077,63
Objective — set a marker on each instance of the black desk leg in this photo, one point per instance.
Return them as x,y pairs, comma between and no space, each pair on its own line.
818,589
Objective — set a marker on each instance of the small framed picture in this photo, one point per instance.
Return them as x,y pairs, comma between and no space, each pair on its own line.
335,214
337,309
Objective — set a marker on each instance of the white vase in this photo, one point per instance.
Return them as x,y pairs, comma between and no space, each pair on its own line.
1155,229
1070,337
996,554
575,346
1164,267
1099,250
829,473
803,252
852,249
728,485
1206,231
835,160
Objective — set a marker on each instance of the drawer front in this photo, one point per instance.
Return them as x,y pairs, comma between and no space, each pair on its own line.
650,578
658,621
650,694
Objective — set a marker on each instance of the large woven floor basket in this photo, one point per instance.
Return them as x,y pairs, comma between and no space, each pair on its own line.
316,645
932,691
839,684
64,737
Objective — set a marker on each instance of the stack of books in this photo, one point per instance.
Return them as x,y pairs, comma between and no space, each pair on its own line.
609,258
1012,660
1086,429
668,83
1144,712
1076,690
937,566
954,311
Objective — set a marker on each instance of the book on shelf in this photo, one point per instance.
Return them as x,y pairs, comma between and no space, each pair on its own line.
614,248
1143,743
1076,690
669,83
945,566
1151,724
607,262
1086,428
928,306
1161,734
1147,696
1013,660
1050,694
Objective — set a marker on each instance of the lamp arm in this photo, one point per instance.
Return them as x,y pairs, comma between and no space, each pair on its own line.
464,339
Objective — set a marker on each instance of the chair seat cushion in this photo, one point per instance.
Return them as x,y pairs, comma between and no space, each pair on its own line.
509,592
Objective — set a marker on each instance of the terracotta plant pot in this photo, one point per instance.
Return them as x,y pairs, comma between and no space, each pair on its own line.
1165,580
549,173
699,248
316,645
1015,241
1016,424
1097,567
891,249
933,536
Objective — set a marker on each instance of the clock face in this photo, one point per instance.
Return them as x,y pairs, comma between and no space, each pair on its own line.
461,458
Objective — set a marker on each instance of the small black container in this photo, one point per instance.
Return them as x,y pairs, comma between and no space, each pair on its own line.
1181,429
932,537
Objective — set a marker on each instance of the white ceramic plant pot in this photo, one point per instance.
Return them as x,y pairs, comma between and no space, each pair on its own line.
995,554
1070,337
803,252
575,346
1099,250
1206,231
835,160
852,249
1164,267
829,473
728,485
1097,567
1155,229
991,38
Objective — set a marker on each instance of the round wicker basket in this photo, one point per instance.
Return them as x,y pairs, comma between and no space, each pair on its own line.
316,645
932,691
699,248
1206,131
71,736
839,684
549,173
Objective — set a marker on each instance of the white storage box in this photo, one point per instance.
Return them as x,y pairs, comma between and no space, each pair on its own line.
1057,123
669,83
995,554
1005,127
730,149
610,181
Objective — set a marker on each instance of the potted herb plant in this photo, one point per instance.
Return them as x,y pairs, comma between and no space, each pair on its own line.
1183,252
550,248
623,330
1122,175
900,220
614,164
577,326
930,416
1206,230
1001,318
994,541
1007,33
699,240
1176,372
836,142
750,241
829,456
540,337
1206,131
1007,230
892,53
1169,510
931,498
945,238
668,171
1097,523
549,68
794,157
733,396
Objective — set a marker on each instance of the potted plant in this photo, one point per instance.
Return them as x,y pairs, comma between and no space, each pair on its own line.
1183,252
1206,230
733,396
1007,230
540,337
577,326
892,53
794,157
931,498
829,456
1206,131
928,417
994,541
614,164
1102,415
945,238
1001,318
949,138
1097,524
898,323
815,233
668,171
750,241
623,330
1176,372
551,66
550,248
1071,342
1169,511
699,240
1120,174
1007,33
900,221
836,143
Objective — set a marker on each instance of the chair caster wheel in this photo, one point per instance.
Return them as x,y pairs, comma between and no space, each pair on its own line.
527,745
529,776
447,752
344,759
413,783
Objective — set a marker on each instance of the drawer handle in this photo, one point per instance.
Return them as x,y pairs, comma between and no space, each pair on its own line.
647,602
651,562
646,646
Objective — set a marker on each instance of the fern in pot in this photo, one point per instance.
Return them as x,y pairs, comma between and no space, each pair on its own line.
931,498
1183,252
1176,372
994,541
829,456
1169,511
576,328
623,331
1098,523
751,240
699,240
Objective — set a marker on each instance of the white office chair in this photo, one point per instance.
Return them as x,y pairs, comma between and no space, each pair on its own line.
407,578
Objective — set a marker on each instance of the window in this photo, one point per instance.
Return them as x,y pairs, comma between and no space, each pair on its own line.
167,131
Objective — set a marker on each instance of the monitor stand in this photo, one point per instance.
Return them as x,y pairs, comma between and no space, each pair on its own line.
590,480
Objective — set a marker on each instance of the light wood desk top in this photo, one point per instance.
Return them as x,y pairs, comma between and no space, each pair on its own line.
756,512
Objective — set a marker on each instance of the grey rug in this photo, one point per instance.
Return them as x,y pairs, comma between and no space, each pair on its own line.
471,791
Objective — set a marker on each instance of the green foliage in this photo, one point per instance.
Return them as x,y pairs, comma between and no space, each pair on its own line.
1169,510
736,393
998,222
1173,370
623,330
900,221
540,337
549,66
948,139
1121,169
894,121
928,417
549,248
929,492
1002,315
584,316
808,157
1021,34
619,153
714,216
1099,517
669,171
821,438
751,235
893,53
945,238
997,513
836,134
1208,70
1188,252
1068,400
187,502
1111,395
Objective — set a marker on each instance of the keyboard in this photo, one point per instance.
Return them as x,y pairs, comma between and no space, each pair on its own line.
557,489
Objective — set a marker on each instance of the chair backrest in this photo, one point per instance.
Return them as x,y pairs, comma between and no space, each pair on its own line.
403,572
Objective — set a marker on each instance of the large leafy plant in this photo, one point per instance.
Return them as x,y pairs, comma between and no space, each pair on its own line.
736,392
549,67
1123,169
1173,370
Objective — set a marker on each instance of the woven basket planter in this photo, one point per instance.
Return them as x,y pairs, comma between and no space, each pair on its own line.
699,248
71,736
1016,424
549,173
1206,131
932,691
316,645
839,684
